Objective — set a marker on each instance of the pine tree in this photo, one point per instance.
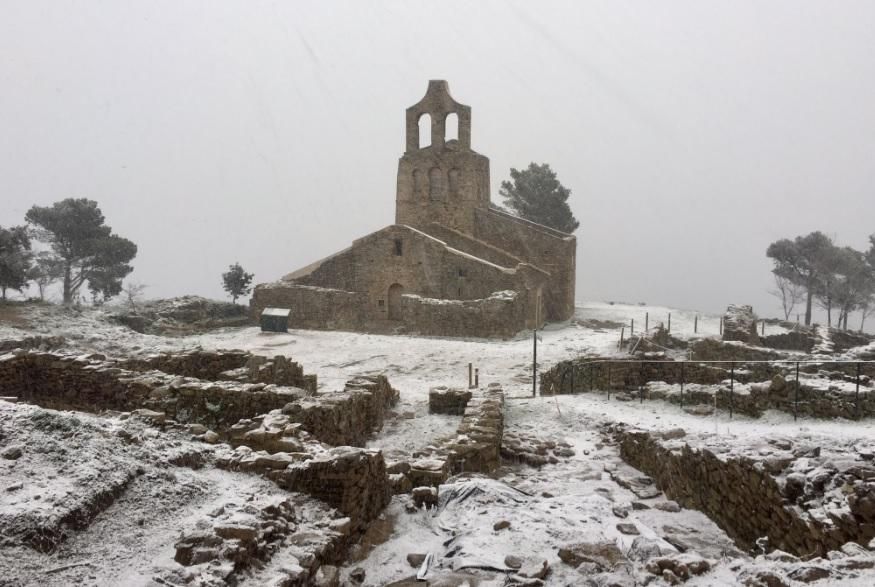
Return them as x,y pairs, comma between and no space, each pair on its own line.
536,194
236,281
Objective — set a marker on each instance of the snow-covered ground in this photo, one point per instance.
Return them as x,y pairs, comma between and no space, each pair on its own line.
575,499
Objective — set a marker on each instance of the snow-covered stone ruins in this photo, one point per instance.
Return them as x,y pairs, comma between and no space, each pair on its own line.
698,450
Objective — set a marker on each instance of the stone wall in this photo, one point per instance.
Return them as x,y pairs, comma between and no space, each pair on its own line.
68,382
543,247
222,365
475,448
64,382
750,498
758,387
443,400
312,307
501,315
44,343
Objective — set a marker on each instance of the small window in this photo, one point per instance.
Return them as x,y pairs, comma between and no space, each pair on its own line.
381,303
398,249
463,272
460,292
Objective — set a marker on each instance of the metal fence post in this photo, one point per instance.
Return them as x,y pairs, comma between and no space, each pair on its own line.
646,322
669,322
696,324
796,395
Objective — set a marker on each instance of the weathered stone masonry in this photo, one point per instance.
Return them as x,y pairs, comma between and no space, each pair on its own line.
451,264
749,499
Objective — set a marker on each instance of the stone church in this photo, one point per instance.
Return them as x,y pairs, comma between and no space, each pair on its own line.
451,265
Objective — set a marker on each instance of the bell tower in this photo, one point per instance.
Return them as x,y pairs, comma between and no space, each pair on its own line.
443,181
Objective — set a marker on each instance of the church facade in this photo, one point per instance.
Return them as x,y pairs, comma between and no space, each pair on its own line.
451,265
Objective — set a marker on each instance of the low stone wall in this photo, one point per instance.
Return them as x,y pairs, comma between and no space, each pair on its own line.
91,384
44,343
312,307
195,363
221,365
343,418
805,513
443,400
502,315
68,382
758,387
476,448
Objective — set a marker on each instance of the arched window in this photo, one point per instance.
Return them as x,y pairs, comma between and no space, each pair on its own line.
424,130
451,127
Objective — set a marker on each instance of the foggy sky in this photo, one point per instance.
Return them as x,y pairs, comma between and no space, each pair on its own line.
692,134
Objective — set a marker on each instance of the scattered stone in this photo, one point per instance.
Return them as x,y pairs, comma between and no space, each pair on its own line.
809,573
415,559
357,575
501,525
668,506
513,562
605,555
12,452
425,497
628,528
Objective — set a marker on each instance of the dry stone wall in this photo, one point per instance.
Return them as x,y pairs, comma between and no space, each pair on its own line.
231,365
806,502
757,386
475,448
90,383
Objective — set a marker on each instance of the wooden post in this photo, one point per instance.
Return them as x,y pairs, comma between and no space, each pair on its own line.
669,322
632,328
477,378
721,325
622,331
646,323
470,375
696,324
762,327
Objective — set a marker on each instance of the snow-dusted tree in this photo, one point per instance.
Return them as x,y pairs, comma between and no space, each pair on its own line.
15,257
236,281
134,292
84,245
788,293
45,270
535,194
804,261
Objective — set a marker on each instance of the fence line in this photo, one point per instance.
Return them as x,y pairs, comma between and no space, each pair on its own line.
590,365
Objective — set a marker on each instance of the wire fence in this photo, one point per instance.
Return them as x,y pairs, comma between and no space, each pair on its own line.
843,397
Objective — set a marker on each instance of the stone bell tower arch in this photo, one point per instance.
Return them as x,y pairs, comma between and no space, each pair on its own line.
444,181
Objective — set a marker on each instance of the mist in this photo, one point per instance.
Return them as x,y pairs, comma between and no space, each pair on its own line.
691,134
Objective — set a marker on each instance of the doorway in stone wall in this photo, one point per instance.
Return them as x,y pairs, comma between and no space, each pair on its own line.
395,291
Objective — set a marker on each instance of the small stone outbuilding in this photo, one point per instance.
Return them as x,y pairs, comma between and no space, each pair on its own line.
451,265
